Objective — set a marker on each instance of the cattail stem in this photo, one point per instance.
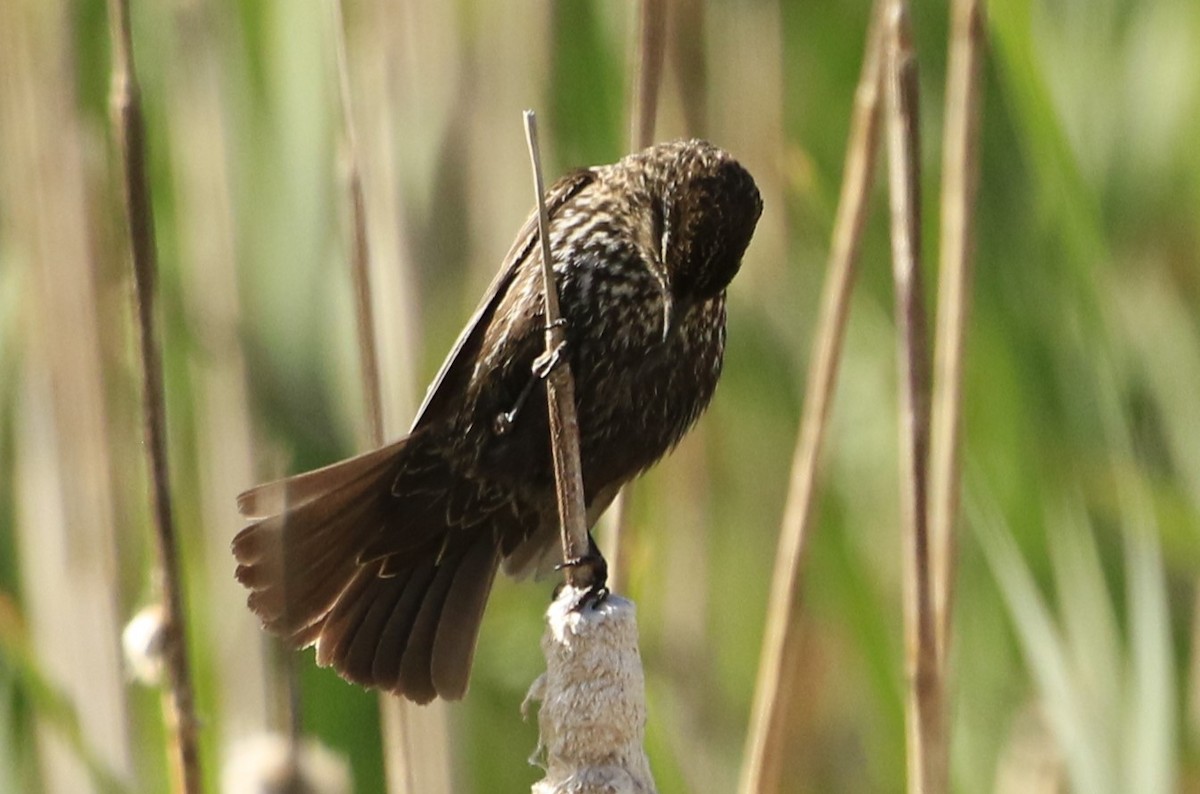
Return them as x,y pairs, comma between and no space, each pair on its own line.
414,739
960,173
649,54
560,392
651,44
131,135
927,756
360,253
764,743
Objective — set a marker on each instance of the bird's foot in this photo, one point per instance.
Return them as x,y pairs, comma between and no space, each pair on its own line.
542,366
549,361
502,425
589,576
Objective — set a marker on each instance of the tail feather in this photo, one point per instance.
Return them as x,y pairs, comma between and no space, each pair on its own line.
424,529
300,561
304,637
316,515
395,634
384,562
416,664
413,634
274,497
337,630
358,648
458,628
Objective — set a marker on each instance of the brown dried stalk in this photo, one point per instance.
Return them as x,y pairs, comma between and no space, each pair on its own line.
960,175
652,35
360,253
560,392
925,707
131,135
409,733
764,744
651,46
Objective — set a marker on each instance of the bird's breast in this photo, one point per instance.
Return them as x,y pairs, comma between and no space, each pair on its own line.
644,370
640,390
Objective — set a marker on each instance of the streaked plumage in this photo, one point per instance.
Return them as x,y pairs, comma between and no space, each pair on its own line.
385,561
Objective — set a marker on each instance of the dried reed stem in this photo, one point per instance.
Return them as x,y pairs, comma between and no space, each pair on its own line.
652,38
960,173
560,392
131,135
764,744
651,45
413,738
925,718
360,252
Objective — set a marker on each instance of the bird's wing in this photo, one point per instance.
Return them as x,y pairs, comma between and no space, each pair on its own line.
455,373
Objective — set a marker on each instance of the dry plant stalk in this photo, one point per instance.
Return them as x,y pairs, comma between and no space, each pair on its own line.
413,738
591,723
652,39
651,46
764,745
926,746
560,390
360,254
593,715
960,176
131,135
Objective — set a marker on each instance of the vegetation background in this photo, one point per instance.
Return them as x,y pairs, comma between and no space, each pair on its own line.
1074,653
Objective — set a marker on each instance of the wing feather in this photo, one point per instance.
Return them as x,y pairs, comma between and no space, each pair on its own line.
456,370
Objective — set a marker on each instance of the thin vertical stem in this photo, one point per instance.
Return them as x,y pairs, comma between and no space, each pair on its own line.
413,739
360,252
651,47
777,664
925,719
560,392
131,134
652,35
960,174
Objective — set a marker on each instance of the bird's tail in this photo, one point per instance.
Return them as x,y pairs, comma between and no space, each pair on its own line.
383,561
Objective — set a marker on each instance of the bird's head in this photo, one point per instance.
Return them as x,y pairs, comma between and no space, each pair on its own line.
703,208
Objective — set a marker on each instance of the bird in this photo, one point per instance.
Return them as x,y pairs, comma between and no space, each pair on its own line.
384,561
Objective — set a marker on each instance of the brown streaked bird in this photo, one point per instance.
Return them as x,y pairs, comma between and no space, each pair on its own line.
384,561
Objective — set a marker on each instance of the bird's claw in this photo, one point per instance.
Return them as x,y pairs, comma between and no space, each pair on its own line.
550,360
541,368
503,423
590,575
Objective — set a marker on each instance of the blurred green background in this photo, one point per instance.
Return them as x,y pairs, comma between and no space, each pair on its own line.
1074,660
